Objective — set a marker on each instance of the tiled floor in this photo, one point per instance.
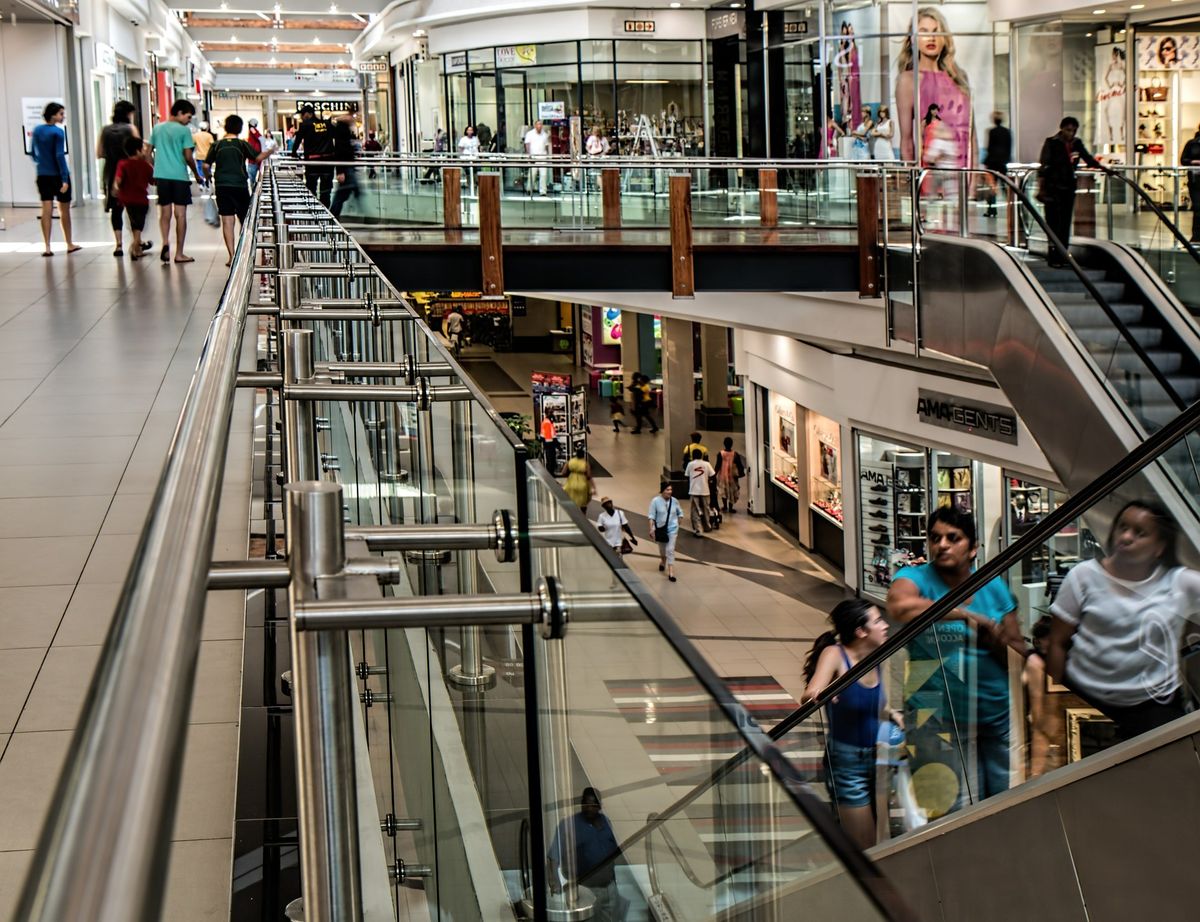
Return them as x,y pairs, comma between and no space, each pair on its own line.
95,358
750,599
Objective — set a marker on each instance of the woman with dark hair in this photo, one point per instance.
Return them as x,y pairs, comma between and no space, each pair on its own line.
110,147
1168,53
1117,622
854,715
49,144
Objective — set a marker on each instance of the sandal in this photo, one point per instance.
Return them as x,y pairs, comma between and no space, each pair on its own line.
147,245
184,259
74,249
118,252
48,253
135,256
165,255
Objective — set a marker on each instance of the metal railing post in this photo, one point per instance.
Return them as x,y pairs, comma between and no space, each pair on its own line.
471,671
323,698
299,426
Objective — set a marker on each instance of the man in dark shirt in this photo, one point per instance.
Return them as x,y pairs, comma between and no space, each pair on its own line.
1061,154
590,835
999,153
1191,158
315,138
343,152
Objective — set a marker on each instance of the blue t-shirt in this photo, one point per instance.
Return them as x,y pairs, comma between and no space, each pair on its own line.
170,139
50,151
593,844
665,512
969,679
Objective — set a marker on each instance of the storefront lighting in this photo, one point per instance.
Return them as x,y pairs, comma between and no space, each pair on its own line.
1099,12
224,7
675,6
333,7
237,60
419,33
233,38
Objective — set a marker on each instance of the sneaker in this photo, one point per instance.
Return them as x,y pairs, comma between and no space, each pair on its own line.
878,501
878,515
879,488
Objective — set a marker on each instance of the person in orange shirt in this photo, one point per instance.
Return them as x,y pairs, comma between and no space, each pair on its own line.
549,446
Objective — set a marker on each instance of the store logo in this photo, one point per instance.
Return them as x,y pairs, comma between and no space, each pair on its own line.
975,417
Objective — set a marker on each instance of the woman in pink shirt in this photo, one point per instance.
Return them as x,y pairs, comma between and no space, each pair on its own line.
942,83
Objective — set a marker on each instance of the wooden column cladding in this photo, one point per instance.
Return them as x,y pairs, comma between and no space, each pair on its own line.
490,242
768,198
610,194
451,197
683,278
870,241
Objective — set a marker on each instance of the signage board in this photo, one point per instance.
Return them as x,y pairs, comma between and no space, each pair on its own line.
372,67
974,417
639,25
724,23
31,116
793,30
327,107
106,58
516,55
552,111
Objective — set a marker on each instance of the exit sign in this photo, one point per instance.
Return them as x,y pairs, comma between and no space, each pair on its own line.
639,25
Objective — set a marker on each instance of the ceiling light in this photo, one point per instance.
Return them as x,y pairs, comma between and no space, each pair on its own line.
333,7
1099,12
272,61
307,61
675,6
736,6
237,60
233,38
287,91
645,80
316,40
1137,6
258,89
419,33
224,6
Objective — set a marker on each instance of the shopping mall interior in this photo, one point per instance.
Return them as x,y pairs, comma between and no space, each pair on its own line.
636,462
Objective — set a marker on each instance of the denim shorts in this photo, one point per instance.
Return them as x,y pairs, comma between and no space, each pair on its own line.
851,775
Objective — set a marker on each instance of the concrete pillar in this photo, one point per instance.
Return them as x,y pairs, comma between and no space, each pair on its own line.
714,359
679,406
631,346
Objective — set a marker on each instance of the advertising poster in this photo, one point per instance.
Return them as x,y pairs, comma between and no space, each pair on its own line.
1168,52
610,327
32,108
1110,97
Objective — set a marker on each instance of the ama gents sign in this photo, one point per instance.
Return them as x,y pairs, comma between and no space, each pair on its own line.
973,416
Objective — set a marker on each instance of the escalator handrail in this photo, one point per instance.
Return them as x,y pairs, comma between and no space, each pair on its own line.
1088,284
1157,209
1103,485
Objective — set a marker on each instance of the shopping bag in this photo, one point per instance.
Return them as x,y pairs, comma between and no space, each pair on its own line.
210,209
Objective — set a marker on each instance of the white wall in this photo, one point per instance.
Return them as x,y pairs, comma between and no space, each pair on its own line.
33,63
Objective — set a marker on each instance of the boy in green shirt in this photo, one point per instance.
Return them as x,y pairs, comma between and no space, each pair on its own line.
173,144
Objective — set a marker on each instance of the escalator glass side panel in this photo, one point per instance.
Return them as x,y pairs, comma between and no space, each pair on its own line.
1084,638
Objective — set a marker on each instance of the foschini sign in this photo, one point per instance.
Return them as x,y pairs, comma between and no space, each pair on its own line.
973,416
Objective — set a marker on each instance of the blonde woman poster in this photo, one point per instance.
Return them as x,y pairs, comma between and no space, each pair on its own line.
942,83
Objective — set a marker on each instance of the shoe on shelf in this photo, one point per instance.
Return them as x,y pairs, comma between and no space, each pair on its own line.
878,501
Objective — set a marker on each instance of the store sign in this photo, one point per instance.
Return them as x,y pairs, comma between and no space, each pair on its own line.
639,25
372,67
327,107
552,111
723,24
516,55
971,416
106,58
792,30
456,62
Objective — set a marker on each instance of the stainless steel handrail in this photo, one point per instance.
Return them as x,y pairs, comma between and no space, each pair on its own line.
102,854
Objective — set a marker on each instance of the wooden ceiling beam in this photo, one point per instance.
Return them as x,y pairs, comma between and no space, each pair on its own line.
289,22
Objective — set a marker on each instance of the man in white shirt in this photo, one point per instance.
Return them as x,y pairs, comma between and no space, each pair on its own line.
697,472
537,144
454,325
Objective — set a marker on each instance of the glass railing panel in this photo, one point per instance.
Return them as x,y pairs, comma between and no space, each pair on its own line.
1081,643
623,712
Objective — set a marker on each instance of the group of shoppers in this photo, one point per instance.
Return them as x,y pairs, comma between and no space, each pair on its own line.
168,161
1112,638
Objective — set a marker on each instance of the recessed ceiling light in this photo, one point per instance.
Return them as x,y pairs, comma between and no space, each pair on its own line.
419,33
736,6
272,61
333,7
224,6
233,38
1137,6
675,6
316,39
307,61
1099,12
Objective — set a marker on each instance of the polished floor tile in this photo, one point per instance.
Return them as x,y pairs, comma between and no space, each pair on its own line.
52,516
88,614
30,615
57,695
13,867
43,561
50,479
198,881
28,774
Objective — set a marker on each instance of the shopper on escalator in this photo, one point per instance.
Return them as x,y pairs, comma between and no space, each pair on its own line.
1190,159
958,705
593,861
1117,623
1060,157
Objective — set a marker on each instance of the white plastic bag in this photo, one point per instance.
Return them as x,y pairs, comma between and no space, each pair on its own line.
210,207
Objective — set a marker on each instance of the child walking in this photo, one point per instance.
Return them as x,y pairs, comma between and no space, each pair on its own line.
132,188
616,411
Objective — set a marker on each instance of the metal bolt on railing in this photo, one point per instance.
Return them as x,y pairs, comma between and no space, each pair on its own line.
401,871
369,697
363,670
392,824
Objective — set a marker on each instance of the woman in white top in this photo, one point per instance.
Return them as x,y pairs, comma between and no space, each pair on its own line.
1117,622
861,134
597,143
612,523
881,134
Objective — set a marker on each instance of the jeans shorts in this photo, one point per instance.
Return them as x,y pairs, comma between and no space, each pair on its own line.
851,776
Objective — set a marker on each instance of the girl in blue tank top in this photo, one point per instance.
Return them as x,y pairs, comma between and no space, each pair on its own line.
854,715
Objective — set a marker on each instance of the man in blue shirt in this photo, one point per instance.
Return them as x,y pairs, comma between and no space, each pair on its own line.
49,151
956,688
592,865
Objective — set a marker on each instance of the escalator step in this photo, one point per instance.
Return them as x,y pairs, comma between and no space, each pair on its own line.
1123,358
1089,313
1106,335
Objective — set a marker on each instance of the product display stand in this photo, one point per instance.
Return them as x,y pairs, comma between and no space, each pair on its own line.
555,396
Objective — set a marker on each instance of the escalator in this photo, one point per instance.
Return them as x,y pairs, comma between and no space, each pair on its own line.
1055,845
1094,356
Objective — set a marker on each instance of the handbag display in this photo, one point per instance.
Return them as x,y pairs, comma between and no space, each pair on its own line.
1155,92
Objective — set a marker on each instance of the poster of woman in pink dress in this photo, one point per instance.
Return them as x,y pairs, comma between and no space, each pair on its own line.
942,83
849,76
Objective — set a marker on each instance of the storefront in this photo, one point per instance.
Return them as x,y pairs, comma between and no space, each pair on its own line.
1168,102
803,453
645,96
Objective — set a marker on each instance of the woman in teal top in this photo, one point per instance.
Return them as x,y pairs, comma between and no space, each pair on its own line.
957,689
49,143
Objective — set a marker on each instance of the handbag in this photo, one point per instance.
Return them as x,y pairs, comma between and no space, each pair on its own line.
662,533
626,547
